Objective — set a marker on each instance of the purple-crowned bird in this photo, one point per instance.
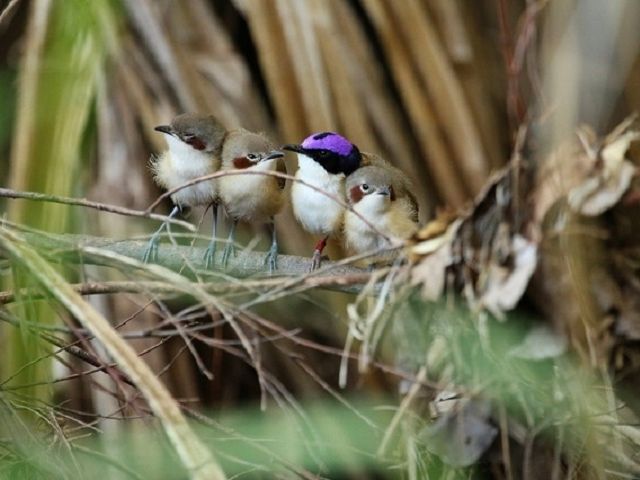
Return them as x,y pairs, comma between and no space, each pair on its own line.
324,160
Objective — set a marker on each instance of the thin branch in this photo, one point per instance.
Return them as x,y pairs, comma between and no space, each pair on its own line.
341,283
103,207
71,248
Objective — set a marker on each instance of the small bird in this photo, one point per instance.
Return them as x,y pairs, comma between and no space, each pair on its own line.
251,198
381,195
324,160
195,142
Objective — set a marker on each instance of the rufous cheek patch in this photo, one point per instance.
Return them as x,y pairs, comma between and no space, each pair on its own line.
356,194
241,163
197,143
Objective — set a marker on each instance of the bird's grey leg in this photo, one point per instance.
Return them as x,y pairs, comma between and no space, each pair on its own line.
210,253
316,260
271,260
151,252
230,247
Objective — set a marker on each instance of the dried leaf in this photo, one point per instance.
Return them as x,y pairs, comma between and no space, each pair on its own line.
560,172
602,191
592,174
438,226
506,285
430,273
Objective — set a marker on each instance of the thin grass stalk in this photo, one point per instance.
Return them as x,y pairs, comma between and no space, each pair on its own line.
208,96
27,93
220,63
445,92
197,459
144,16
18,345
266,28
66,47
372,93
299,28
349,106
477,69
446,179
454,31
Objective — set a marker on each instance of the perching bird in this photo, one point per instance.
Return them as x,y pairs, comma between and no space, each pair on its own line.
324,161
195,142
381,195
250,197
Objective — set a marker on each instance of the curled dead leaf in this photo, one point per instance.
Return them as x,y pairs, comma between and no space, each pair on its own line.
592,174
505,285
604,188
430,272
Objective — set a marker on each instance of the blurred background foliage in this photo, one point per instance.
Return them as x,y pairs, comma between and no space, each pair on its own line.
438,87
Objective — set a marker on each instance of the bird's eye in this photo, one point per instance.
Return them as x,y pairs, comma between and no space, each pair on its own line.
364,187
252,156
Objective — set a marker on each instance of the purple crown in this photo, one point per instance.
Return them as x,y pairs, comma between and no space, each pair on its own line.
328,141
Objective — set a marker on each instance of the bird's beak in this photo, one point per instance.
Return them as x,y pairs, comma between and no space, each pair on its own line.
386,190
164,129
292,147
273,155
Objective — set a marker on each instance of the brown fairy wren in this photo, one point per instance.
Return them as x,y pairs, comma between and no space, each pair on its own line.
251,197
195,142
381,195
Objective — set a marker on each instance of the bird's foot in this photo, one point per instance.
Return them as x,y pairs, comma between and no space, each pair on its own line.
151,252
316,260
210,255
271,259
229,250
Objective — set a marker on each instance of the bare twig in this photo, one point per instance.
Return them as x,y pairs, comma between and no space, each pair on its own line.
341,283
104,207
73,248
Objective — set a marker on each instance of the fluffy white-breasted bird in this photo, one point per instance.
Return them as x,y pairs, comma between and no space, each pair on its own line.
251,197
382,196
324,161
194,144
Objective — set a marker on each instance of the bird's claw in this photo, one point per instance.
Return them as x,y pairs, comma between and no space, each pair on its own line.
210,255
316,260
271,259
229,250
151,252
